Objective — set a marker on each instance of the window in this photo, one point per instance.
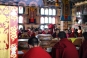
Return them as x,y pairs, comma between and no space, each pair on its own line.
53,20
54,12
50,20
42,27
46,11
42,20
47,17
21,10
78,14
20,26
42,11
20,19
50,11
46,20
46,26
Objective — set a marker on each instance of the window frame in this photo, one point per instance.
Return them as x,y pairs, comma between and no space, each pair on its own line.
22,25
44,15
19,10
20,14
20,19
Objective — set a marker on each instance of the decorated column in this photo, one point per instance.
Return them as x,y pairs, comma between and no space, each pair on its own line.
8,31
66,13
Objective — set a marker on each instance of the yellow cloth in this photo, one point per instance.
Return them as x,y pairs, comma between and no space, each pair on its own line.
73,39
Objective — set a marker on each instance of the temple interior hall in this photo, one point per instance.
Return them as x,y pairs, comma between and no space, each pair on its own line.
43,19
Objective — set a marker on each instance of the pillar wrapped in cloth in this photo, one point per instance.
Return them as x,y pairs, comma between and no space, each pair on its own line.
8,31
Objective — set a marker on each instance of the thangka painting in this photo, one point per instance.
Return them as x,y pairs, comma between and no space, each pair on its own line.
66,11
32,14
8,31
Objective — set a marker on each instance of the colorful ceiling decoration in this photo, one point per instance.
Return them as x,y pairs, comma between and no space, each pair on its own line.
22,2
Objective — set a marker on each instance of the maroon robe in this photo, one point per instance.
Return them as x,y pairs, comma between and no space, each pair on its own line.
64,49
51,27
55,35
36,52
32,34
43,32
29,33
72,34
83,50
50,32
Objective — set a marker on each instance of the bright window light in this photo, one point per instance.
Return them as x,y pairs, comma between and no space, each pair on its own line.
20,26
54,12
20,10
46,20
53,20
42,11
50,11
50,19
46,26
42,27
20,19
46,11
42,20
47,17
79,21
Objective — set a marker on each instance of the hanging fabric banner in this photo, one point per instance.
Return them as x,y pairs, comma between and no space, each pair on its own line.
8,31
66,11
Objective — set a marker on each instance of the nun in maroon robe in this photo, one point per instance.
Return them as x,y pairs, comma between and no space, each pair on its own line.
64,48
83,48
35,50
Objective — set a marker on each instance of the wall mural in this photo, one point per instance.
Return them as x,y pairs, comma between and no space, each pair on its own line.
8,31
22,2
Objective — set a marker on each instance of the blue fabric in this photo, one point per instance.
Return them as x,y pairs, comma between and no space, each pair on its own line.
63,18
69,18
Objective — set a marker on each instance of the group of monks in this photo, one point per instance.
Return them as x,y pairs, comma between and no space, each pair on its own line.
54,32
35,31
62,49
